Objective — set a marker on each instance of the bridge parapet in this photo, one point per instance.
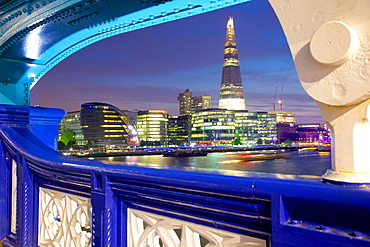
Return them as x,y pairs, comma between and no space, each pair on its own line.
46,197
329,47
329,42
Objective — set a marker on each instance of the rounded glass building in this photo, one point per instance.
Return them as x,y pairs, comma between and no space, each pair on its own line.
106,126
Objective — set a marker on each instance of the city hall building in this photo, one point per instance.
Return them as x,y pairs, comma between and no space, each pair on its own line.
105,126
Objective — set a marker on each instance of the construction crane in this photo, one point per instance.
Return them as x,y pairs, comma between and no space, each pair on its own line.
273,103
281,97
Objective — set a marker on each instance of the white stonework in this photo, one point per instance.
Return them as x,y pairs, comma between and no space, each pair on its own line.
147,229
64,219
330,44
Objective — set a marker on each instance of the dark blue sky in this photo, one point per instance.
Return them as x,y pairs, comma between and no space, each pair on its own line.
148,68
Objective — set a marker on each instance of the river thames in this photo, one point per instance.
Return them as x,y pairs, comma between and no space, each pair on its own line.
302,162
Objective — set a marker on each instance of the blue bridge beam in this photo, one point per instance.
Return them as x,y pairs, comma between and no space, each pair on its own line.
36,36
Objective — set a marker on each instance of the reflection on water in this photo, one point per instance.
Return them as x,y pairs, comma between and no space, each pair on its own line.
308,162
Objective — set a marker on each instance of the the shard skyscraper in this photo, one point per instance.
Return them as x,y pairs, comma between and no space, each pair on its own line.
231,91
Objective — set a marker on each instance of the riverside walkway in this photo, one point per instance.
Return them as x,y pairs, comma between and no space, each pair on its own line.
48,199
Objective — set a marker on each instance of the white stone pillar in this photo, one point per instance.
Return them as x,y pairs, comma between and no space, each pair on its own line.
330,45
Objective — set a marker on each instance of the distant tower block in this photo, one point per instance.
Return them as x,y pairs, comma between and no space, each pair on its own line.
201,102
185,102
231,91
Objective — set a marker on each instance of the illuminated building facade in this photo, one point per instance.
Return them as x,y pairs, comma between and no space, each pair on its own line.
220,126
185,102
71,123
105,126
179,129
173,131
285,124
231,91
189,104
201,103
132,116
311,133
213,127
284,116
152,127
255,127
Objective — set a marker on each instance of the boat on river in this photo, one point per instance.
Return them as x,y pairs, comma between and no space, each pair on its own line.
264,156
324,148
185,152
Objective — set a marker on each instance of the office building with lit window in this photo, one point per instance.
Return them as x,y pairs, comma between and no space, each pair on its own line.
311,133
71,123
220,126
231,91
179,129
132,116
152,127
107,127
285,124
284,116
201,102
213,127
185,102
255,127
173,131
189,104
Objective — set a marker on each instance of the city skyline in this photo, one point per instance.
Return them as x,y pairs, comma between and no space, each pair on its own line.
148,68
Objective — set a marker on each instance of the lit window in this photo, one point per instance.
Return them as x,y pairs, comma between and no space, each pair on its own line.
113,135
106,125
112,121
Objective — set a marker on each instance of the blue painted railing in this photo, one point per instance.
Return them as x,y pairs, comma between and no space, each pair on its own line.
282,210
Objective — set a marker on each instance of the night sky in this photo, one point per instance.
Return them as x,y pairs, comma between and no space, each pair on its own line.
148,68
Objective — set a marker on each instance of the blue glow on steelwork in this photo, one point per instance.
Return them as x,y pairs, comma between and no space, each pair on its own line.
33,44
155,15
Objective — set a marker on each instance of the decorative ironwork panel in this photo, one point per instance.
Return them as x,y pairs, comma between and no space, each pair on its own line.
147,229
64,219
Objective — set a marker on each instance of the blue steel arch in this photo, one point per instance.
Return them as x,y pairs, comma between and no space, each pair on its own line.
37,35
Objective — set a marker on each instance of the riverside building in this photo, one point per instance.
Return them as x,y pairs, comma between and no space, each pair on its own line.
219,127
179,129
189,104
285,124
106,127
185,102
152,127
311,133
71,123
255,127
99,126
200,103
